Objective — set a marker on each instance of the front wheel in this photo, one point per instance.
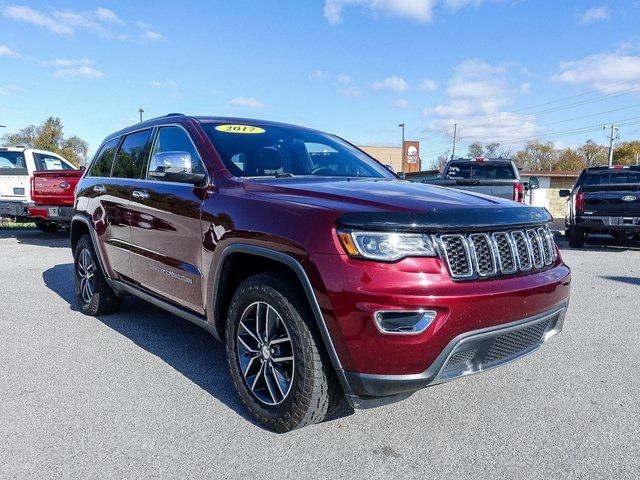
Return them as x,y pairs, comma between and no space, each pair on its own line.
276,359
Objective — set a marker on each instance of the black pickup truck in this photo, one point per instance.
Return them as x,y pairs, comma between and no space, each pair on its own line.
604,200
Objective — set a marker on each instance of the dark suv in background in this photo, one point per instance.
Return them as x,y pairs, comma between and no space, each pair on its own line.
324,275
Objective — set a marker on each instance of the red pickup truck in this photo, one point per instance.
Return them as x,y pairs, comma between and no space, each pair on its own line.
52,194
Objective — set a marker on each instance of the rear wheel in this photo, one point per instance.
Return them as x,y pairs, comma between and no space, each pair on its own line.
576,237
276,359
94,294
46,226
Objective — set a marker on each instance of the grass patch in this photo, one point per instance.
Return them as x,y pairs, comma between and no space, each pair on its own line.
11,225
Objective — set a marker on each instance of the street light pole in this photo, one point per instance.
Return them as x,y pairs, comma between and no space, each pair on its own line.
402,145
141,112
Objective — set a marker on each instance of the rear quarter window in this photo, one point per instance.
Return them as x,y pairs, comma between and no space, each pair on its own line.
101,165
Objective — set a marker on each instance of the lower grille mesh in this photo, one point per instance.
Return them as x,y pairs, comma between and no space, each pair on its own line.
511,343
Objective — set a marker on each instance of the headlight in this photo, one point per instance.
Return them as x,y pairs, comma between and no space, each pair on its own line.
387,246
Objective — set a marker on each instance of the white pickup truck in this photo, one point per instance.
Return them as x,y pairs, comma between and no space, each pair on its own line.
17,165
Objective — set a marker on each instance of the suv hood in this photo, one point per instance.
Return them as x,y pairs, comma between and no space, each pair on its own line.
395,203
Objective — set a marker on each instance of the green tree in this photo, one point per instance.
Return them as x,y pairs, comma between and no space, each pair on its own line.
49,136
627,153
569,160
476,150
593,154
537,156
491,149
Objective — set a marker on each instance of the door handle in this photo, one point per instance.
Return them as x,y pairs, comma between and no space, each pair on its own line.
99,188
140,194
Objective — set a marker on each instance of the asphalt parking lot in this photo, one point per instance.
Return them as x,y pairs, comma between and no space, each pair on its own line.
145,394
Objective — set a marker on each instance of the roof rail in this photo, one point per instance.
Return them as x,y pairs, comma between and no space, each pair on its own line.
174,115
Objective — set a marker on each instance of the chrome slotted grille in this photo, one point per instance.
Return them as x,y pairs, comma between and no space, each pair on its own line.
481,255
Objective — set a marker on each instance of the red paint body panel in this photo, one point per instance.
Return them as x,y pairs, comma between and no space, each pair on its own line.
54,187
353,289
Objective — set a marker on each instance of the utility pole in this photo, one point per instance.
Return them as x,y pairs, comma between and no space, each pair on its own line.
402,145
612,136
455,137
141,111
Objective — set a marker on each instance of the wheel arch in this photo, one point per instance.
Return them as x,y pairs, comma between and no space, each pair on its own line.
261,257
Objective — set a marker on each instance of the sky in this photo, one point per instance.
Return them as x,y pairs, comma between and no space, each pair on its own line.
505,71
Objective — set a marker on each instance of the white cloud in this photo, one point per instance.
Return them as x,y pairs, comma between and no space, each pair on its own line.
78,72
109,16
477,97
151,36
246,102
416,10
594,14
101,21
7,52
606,72
343,79
400,103
351,91
7,90
168,83
428,85
394,84
29,15
67,62
458,4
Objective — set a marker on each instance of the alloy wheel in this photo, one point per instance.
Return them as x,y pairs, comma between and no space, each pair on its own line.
86,269
265,353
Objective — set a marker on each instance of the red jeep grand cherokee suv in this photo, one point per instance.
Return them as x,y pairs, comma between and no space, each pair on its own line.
324,275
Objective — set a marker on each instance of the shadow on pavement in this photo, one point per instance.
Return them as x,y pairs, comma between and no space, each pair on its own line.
617,278
36,237
185,347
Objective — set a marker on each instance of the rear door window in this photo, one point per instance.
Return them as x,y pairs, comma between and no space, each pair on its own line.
101,165
13,163
132,156
50,162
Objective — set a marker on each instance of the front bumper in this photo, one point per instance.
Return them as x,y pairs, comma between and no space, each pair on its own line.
468,353
609,223
9,208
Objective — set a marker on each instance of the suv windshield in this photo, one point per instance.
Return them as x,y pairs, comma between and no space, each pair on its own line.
12,163
265,150
480,170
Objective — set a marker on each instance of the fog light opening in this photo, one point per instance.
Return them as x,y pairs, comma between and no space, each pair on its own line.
404,321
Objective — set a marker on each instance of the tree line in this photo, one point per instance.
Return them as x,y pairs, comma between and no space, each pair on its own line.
538,156
49,135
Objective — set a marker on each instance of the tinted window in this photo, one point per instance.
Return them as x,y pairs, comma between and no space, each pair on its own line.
173,143
101,165
50,162
480,170
251,150
12,163
612,177
132,155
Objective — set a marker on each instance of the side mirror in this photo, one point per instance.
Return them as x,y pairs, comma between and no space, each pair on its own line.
401,176
564,193
83,168
534,183
174,167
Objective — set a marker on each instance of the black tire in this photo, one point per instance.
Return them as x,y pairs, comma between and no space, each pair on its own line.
100,298
576,237
313,393
46,226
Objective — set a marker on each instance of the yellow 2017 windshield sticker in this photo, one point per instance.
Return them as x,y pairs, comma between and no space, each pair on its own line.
239,129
